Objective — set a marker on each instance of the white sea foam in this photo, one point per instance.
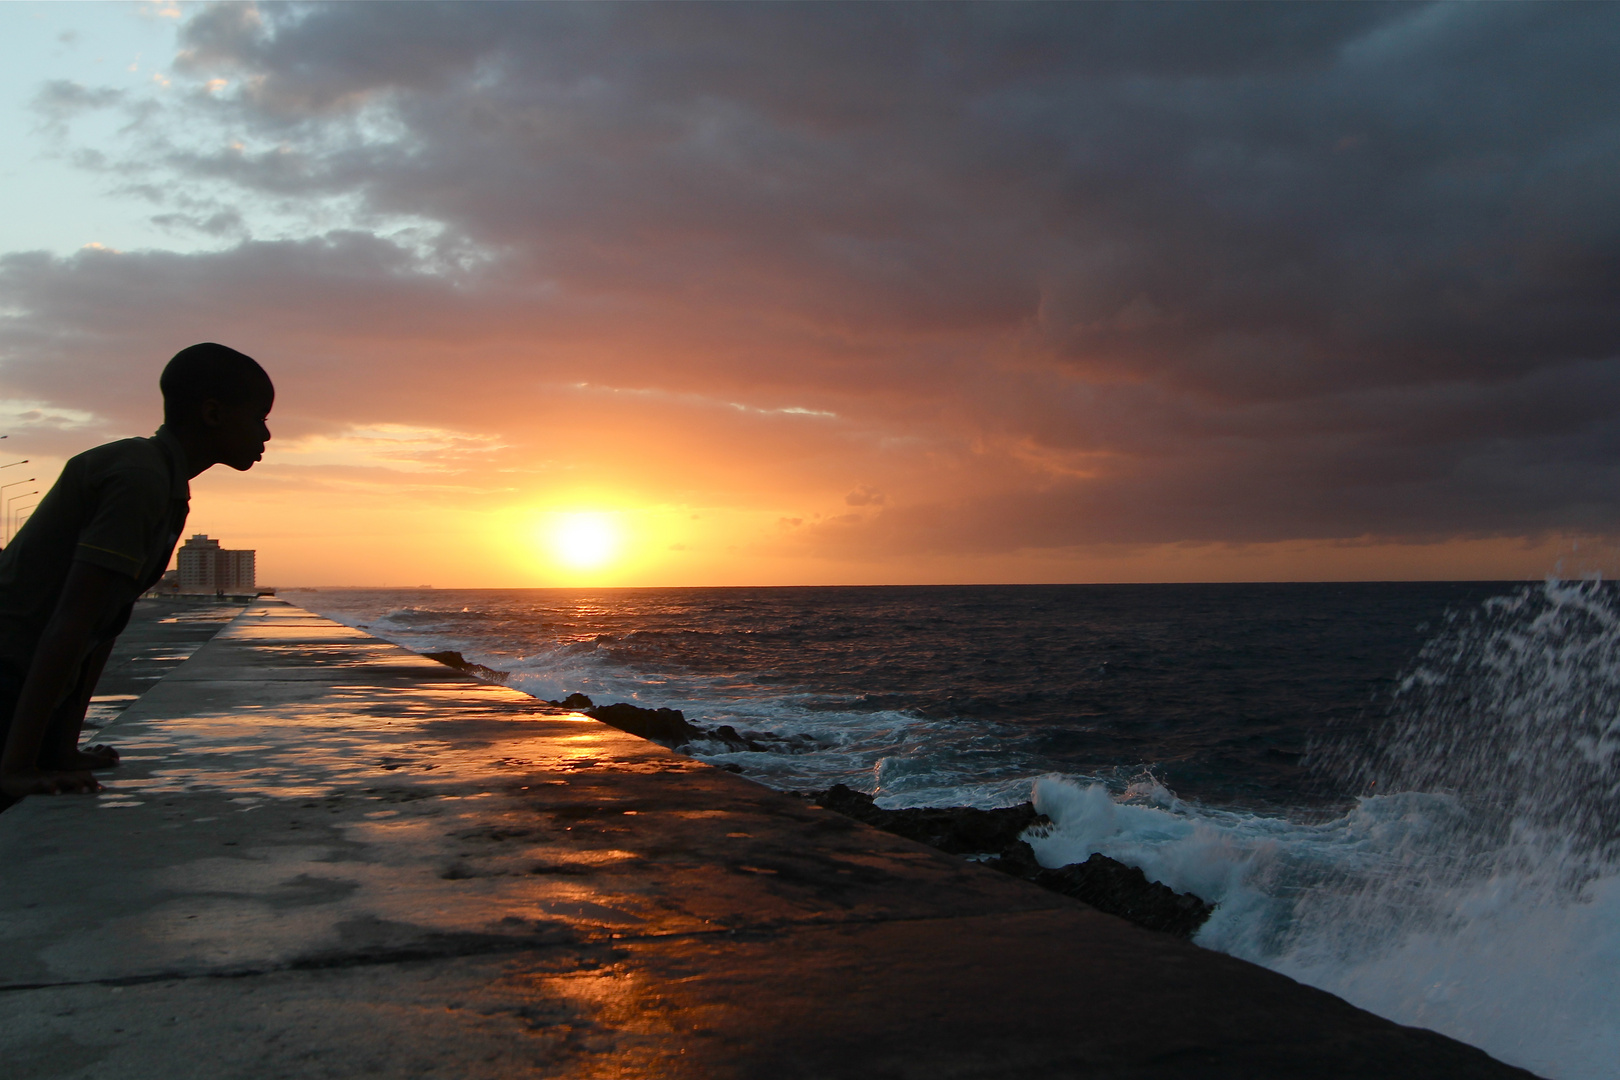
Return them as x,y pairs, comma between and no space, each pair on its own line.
1480,895
1517,952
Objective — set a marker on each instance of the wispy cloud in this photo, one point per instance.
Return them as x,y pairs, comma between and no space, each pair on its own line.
394,447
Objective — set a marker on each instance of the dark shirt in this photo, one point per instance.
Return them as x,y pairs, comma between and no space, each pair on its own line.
121,507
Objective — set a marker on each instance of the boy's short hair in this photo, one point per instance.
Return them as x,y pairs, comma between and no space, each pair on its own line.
200,372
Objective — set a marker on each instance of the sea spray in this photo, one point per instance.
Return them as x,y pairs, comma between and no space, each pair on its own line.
1473,887
1374,906
1496,918
1516,711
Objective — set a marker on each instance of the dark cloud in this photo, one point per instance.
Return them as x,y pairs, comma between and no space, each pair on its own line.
62,98
59,101
1103,273
219,223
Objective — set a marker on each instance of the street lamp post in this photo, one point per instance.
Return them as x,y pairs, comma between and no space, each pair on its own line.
5,507
11,465
16,523
4,499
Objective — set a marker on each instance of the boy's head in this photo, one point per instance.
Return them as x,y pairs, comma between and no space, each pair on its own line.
221,396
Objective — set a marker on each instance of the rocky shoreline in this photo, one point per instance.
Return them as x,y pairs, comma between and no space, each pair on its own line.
993,837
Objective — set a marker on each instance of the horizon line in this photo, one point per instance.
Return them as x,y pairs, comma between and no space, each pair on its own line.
942,585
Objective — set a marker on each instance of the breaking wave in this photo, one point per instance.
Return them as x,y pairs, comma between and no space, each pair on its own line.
1477,893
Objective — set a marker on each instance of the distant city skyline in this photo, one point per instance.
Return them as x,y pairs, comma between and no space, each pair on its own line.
813,294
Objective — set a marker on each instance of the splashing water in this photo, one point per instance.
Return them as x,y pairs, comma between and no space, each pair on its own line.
1517,712
1478,892
1498,920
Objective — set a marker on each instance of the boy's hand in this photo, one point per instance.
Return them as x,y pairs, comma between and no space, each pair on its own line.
82,759
42,782
90,597
99,756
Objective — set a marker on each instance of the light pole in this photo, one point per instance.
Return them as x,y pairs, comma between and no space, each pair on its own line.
7,510
4,498
15,523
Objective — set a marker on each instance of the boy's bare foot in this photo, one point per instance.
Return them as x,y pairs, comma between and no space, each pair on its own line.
47,782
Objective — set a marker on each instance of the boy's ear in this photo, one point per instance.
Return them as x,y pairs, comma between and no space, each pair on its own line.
191,415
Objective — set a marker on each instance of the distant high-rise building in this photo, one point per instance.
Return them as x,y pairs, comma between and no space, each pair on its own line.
205,567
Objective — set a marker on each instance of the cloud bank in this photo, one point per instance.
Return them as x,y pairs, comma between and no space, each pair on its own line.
927,279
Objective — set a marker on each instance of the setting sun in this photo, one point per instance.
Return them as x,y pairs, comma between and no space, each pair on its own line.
584,541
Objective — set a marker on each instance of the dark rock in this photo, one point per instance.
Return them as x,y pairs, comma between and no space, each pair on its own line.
671,728
451,658
665,726
1111,886
727,734
961,830
1106,884
1017,859
760,742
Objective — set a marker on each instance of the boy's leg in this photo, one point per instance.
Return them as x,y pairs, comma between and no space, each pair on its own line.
11,682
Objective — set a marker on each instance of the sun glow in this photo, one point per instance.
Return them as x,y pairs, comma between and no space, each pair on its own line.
584,541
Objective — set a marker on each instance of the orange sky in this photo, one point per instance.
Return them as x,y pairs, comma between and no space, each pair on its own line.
346,530
823,294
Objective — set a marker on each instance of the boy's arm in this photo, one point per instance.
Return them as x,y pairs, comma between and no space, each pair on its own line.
90,596
61,746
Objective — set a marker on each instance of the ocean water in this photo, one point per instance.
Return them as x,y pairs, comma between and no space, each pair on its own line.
1404,793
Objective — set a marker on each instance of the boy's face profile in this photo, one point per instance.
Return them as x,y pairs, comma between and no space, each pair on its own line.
215,399
238,431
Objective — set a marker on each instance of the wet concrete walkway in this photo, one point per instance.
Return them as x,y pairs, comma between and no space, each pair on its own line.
328,857
161,635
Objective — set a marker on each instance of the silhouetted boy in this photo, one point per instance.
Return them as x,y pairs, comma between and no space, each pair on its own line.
100,538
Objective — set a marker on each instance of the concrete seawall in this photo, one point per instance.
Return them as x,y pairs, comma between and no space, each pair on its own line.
326,856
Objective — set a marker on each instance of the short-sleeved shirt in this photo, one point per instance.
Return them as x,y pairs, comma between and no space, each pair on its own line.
121,507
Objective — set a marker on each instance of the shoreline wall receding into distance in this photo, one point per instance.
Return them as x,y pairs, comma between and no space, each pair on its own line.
326,852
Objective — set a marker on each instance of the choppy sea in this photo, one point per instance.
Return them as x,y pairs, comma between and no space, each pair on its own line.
1407,794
